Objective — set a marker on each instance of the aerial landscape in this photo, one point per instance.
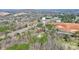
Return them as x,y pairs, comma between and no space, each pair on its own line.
39,29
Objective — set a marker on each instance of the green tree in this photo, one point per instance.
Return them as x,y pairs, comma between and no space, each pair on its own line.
42,39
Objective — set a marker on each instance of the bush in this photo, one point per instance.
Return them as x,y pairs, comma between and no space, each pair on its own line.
39,25
43,39
49,26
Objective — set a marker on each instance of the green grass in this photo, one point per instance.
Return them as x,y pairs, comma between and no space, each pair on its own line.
4,28
19,47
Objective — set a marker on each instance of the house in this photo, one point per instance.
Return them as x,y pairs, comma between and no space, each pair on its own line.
46,20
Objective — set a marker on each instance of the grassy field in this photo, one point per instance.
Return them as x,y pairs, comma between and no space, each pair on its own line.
4,28
19,47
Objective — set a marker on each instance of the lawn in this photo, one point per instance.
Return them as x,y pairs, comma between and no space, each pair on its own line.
19,47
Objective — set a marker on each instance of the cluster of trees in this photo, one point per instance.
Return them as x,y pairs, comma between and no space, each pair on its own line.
67,17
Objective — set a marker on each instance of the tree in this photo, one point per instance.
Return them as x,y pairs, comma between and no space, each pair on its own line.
42,39
66,37
18,36
76,35
39,25
49,26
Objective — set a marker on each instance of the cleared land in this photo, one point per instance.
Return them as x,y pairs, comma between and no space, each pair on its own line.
68,27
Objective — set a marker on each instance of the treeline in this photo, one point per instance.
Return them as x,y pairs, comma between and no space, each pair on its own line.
67,17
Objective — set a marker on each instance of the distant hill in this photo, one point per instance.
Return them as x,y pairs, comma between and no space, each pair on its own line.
75,11
4,13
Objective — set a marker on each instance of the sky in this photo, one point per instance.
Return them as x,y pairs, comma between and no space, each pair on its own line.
39,4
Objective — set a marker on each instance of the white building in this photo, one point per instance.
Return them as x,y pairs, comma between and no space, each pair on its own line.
49,20
44,20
